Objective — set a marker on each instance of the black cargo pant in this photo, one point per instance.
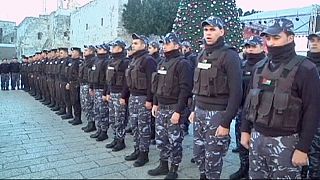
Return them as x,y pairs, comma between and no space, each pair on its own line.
75,99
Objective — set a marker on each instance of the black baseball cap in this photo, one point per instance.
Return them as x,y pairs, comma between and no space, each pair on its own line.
141,37
76,49
119,43
170,37
186,44
213,21
276,26
63,49
103,46
90,47
154,44
317,34
253,41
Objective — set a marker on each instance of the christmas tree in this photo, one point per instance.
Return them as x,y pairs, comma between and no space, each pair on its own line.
191,13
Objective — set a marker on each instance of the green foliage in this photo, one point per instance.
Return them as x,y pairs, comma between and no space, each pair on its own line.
191,13
149,16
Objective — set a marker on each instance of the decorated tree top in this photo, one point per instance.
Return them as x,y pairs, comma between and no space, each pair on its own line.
192,12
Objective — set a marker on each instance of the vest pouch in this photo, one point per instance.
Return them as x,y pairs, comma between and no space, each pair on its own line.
66,69
95,76
128,77
109,76
171,80
212,78
280,104
86,74
81,68
196,81
119,78
252,102
154,82
90,76
142,81
293,114
221,85
204,83
264,109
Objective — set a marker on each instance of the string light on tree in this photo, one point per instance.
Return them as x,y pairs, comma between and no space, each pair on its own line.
193,12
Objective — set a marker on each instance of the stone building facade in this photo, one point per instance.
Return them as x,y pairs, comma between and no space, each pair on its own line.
97,22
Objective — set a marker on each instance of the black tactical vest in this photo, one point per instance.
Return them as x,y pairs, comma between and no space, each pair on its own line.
270,102
165,81
136,79
210,78
114,76
95,72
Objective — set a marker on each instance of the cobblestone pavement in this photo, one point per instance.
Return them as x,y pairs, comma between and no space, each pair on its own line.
36,143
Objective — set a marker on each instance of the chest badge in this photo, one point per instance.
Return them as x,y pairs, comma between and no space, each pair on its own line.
162,71
93,68
266,81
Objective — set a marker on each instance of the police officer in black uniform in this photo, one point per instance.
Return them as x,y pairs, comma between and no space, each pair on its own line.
172,85
282,107
154,51
313,170
85,98
138,78
217,89
24,79
73,84
117,94
254,53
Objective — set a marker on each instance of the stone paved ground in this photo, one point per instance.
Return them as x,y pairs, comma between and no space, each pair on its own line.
36,143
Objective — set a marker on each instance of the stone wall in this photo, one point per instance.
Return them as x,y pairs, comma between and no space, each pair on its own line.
97,22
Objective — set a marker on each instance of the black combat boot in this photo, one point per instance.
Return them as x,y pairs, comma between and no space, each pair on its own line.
52,104
76,121
62,111
235,150
85,127
162,169
67,116
38,97
172,172
47,102
119,146
56,108
129,130
91,127
243,172
133,156
71,121
102,136
143,158
192,160
203,176
95,135
112,144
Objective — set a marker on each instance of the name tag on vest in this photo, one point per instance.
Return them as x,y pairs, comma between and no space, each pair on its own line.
164,72
204,65
111,68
